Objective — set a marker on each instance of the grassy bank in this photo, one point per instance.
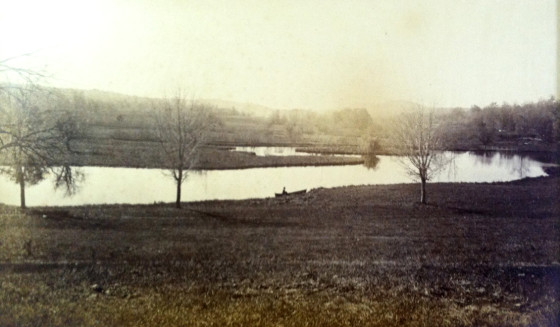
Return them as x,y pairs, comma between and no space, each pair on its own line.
477,255
147,154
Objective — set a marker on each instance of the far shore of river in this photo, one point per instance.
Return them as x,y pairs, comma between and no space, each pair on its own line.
141,154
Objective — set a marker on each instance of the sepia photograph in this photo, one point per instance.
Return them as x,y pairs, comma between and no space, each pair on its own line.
279,163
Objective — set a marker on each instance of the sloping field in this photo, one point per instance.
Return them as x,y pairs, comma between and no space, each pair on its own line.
477,255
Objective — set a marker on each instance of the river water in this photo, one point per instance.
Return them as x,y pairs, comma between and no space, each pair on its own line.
266,151
135,186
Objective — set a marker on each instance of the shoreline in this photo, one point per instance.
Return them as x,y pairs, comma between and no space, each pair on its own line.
552,171
218,158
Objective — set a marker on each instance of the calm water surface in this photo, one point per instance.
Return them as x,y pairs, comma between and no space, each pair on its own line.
129,185
266,151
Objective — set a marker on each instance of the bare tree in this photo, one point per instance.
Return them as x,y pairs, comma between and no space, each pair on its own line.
181,127
417,141
13,76
34,138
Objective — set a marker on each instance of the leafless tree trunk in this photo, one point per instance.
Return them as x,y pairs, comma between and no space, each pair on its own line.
181,128
35,138
417,142
21,182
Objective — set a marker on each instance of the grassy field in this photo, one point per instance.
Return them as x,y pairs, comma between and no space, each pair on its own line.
147,154
477,255
115,136
104,150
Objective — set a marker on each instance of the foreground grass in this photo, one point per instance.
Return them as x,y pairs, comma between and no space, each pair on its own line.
478,255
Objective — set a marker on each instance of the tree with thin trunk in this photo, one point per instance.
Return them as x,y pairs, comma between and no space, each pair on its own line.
181,128
416,139
34,138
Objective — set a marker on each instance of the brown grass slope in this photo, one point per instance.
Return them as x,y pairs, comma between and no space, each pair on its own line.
477,255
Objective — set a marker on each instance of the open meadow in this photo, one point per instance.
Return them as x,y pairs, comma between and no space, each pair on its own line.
331,163
476,255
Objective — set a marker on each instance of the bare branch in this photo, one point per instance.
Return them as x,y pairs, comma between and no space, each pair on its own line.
417,142
181,127
34,138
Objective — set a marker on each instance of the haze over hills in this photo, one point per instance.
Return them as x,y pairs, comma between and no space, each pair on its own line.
133,103
241,107
356,54
137,103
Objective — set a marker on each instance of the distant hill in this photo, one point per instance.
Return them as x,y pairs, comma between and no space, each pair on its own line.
131,102
245,108
124,102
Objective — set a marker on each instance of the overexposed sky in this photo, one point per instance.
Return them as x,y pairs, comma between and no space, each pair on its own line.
293,54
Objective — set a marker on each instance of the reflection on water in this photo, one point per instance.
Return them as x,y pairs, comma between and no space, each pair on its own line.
371,161
266,151
129,185
517,166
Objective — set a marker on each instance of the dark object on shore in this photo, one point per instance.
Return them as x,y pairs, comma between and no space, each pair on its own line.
284,193
552,170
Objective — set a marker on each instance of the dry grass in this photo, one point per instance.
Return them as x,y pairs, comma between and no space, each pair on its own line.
478,255
147,154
